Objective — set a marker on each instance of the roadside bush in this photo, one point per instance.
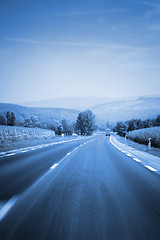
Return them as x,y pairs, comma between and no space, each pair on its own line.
14,134
67,127
10,118
120,128
3,120
141,136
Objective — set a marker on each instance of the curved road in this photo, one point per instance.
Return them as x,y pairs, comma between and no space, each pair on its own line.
95,192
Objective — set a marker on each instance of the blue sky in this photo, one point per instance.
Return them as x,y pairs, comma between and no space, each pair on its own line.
79,48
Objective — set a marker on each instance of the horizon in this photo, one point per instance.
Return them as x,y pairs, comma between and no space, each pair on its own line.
104,49
80,97
84,97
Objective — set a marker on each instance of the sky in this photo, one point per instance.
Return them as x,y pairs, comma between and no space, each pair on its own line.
68,48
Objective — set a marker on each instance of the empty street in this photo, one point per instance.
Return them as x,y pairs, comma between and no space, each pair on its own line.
85,189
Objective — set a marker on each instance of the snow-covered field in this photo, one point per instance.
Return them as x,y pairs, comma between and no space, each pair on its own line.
14,134
142,136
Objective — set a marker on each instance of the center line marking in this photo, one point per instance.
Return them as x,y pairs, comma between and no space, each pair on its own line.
11,154
128,154
54,166
136,159
7,207
151,168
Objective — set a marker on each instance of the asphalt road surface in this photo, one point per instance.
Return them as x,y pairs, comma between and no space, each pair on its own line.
95,192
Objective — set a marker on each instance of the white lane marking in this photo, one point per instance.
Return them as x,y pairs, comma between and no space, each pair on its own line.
11,154
136,159
2,154
16,151
123,152
46,145
113,143
54,166
128,154
151,168
5,209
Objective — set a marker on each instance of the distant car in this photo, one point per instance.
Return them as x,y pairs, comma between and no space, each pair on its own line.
108,132
74,134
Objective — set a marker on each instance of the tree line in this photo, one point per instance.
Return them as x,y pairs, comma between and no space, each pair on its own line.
84,125
122,127
8,120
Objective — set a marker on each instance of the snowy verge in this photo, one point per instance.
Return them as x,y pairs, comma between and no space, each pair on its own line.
18,137
40,145
142,135
148,160
14,134
138,146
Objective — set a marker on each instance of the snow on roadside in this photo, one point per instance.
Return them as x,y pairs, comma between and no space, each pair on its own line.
142,135
138,146
144,157
14,134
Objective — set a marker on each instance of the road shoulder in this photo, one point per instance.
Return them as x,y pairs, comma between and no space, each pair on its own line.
148,160
6,147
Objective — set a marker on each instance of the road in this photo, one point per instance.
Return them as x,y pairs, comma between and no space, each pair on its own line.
95,192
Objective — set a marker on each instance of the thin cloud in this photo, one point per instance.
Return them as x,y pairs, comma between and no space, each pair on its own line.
142,56
150,4
80,13
70,14
154,27
74,44
155,9
122,58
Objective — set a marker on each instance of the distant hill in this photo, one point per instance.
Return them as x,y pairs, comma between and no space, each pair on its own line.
125,109
43,114
78,103
110,110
